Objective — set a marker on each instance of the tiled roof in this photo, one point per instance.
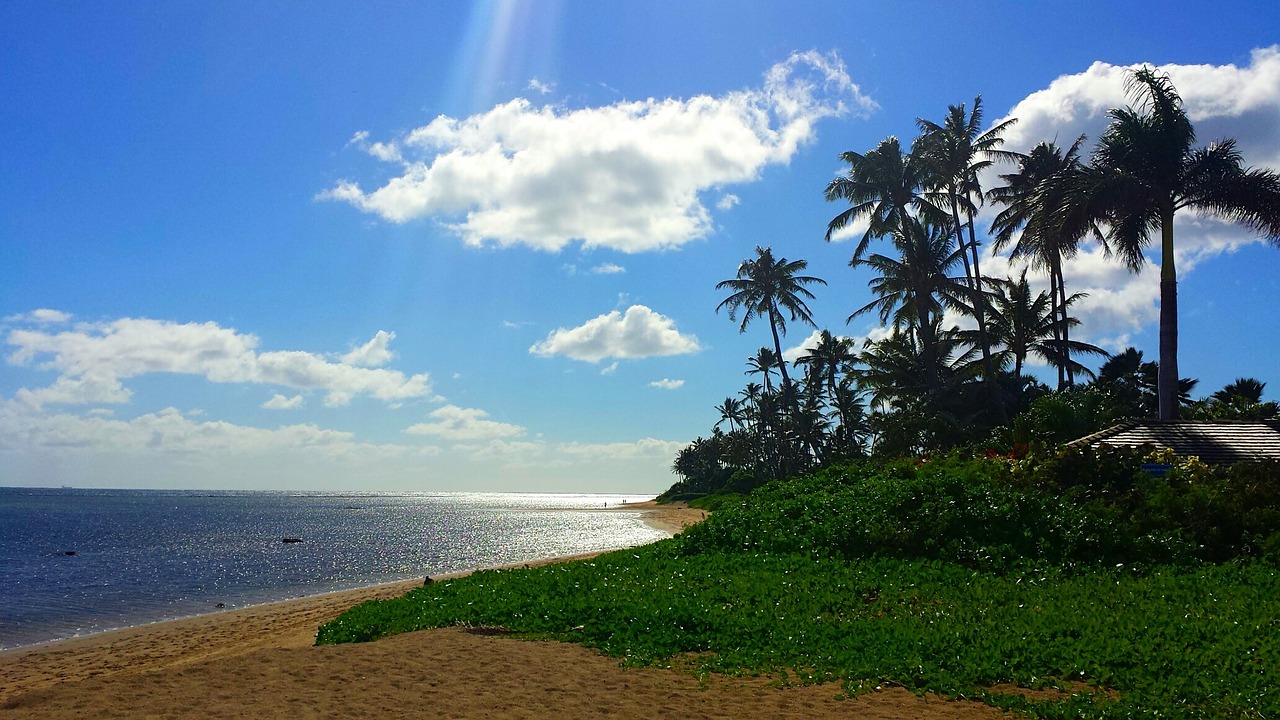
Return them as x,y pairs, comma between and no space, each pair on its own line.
1213,441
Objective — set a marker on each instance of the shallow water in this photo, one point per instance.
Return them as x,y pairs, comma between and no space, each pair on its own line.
146,555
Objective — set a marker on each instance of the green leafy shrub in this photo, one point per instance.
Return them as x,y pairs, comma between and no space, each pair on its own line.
969,511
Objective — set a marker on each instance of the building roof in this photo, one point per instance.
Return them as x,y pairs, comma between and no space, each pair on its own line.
1216,442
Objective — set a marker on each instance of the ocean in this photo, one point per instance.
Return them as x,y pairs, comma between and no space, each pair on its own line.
75,561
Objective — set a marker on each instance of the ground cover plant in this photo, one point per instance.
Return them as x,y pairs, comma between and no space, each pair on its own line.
955,577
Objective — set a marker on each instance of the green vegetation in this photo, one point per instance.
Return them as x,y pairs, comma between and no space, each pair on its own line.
953,575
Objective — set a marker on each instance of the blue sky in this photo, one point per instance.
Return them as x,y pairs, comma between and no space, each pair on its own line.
450,246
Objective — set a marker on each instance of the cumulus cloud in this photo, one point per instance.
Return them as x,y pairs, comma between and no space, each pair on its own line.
373,353
1222,100
628,176
790,354
540,87
464,425
539,453
608,269
92,359
167,431
639,333
727,201
667,384
386,152
854,230
42,316
643,448
280,402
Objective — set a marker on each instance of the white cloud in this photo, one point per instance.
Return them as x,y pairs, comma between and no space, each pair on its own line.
727,201
640,333
464,425
386,152
166,432
93,358
42,316
608,269
790,354
373,353
627,176
667,384
87,389
854,230
280,402
540,87
610,368
1222,100
643,448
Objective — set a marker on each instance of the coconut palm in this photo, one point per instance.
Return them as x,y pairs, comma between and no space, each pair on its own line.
1247,389
1027,325
764,362
955,152
883,186
828,359
1032,197
1134,383
914,289
773,289
1145,169
731,411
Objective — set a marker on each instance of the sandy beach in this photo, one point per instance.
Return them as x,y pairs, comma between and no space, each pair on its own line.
260,662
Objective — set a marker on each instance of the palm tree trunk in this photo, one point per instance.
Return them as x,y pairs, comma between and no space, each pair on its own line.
1168,375
1065,321
975,283
782,363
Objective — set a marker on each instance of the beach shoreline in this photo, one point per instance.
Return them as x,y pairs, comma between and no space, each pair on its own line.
288,623
261,661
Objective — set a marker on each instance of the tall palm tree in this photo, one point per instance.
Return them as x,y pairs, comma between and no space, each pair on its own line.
1146,170
770,288
1032,197
884,185
913,290
955,152
1027,325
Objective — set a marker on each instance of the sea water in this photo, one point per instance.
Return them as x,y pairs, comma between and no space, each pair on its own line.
75,562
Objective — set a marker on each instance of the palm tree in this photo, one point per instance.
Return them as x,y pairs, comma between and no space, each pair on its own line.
1134,383
914,289
1032,197
1146,170
1247,389
884,186
762,363
731,411
770,288
1028,326
828,359
955,152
